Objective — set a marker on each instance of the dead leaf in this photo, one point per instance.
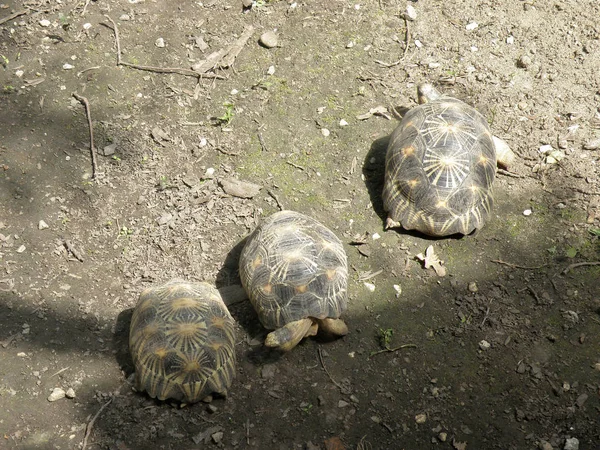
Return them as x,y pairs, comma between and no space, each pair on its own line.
431,260
334,443
377,111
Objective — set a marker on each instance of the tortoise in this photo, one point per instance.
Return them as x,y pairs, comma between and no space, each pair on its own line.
295,272
440,167
182,342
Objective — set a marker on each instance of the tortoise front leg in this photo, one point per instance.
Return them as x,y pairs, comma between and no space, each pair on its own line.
288,336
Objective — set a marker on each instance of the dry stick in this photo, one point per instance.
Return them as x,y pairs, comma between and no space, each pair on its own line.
510,174
391,350
85,103
87,3
272,194
339,386
262,142
581,264
72,249
90,425
516,266
14,16
177,70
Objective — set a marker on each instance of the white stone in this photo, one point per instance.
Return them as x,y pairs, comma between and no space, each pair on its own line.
87,26
42,225
57,394
484,345
370,286
343,123
271,70
325,132
70,393
67,66
545,148
471,26
527,212
45,23
510,40
160,43
411,13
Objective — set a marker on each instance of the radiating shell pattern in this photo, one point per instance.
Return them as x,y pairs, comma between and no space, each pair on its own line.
182,342
293,267
440,168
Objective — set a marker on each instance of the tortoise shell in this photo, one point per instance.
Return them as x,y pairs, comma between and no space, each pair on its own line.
292,268
182,342
440,168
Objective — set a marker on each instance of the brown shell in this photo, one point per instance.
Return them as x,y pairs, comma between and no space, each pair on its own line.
292,268
182,342
439,170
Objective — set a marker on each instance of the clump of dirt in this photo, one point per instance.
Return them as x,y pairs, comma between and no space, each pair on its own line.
500,352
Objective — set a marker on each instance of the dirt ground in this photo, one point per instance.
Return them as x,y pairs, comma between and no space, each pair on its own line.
506,350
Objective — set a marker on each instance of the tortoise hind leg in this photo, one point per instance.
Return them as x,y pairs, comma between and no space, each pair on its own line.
336,327
504,155
288,336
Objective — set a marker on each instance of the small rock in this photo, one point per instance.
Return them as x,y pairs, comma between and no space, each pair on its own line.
325,132
524,62
350,45
370,286
70,393
87,26
211,409
398,290
67,66
42,225
443,436
473,287
271,70
597,366
57,394
268,371
160,43
545,148
544,445
354,399
124,17
209,174
571,444
594,144
527,212
581,400
471,26
217,437
238,188
376,419
484,345
343,123
21,249
44,23
164,219
421,418
411,13
269,39
247,3
342,404
321,400
510,40
109,149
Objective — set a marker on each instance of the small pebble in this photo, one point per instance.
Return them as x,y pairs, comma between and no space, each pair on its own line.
527,212
247,3
571,444
87,26
325,132
209,173
342,404
70,393
57,394
211,409
203,143
21,249
524,62
376,419
370,286
545,445
484,345
271,70
411,13
350,45
473,287
45,23
269,39
443,436
594,144
42,225
124,17
597,366
354,399
217,437
510,40
343,123
545,148
471,26
398,290
67,66
160,43
421,418
418,43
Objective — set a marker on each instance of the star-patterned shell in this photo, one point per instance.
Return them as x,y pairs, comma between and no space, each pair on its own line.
439,170
292,268
182,342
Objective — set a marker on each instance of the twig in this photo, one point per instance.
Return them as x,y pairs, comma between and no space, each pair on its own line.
535,295
247,431
406,37
86,70
339,386
581,264
388,349
90,425
262,142
60,371
177,70
295,165
516,266
14,16
87,2
72,249
487,313
274,197
85,103
509,174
